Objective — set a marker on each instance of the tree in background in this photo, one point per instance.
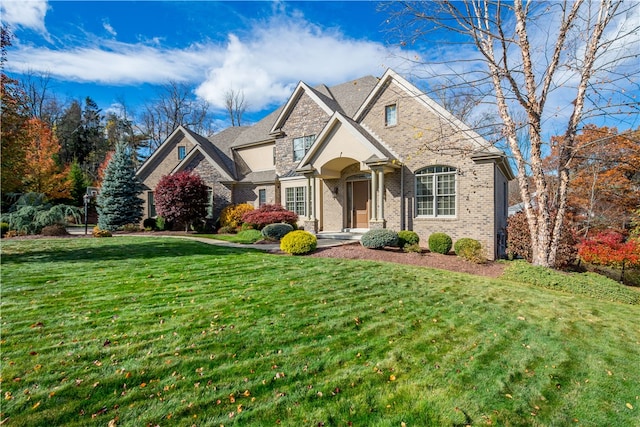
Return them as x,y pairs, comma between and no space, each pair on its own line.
516,54
605,178
118,203
235,105
181,198
41,172
79,184
12,121
174,105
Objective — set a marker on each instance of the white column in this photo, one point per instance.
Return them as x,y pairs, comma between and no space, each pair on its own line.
310,196
381,195
374,199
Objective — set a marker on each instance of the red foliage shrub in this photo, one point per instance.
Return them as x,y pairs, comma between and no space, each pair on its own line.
610,249
519,241
181,198
269,214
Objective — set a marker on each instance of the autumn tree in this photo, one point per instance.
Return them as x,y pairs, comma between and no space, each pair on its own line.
181,198
518,55
42,174
12,125
605,177
118,202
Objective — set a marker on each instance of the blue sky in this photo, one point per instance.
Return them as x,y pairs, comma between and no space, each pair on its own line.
122,50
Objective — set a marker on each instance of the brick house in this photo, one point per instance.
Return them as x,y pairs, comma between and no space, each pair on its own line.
370,153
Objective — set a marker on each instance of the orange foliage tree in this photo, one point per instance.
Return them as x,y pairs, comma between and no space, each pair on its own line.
605,178
42,173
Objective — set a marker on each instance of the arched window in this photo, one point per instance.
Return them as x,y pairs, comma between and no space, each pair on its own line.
436,191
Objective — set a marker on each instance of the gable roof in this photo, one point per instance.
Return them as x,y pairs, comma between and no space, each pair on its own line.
391,76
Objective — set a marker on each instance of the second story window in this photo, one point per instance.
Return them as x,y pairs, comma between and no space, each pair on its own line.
301,146
391,115
182,152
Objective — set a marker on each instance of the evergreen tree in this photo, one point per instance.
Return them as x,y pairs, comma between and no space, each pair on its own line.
79,183
118,201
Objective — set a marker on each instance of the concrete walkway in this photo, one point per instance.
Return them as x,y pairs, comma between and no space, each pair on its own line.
325,239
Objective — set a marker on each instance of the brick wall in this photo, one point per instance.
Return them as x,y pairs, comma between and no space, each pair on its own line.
420,139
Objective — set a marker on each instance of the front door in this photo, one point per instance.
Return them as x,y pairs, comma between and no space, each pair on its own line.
359,204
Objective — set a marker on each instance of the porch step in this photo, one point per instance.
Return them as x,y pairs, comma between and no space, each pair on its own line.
339,235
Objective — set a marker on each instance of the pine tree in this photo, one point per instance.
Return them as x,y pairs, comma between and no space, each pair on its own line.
118,201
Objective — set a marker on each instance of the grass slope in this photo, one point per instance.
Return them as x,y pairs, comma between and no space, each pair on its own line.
147,331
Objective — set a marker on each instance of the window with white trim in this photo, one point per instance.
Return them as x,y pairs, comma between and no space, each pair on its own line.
391,115
182,152
436,191
295,200
301,146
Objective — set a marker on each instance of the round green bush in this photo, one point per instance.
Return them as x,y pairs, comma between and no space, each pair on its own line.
54,230
276,231
298,242
4,227
379,238
407,238
470,249
440,243
464,244
149,223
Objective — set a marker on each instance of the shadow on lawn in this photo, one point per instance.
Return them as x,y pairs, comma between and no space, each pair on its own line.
121,248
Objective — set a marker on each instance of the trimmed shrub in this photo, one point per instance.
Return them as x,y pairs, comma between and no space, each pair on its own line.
407,237
269,214
97,232
470,249
54,230
413,247
298,242
378,239
226,230
161,223
440,243
4,227
231,216
149,224
130,228
276,231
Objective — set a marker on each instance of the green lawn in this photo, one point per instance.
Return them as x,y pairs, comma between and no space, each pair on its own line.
158,331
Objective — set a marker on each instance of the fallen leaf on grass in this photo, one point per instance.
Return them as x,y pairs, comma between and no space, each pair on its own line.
36,405
508,396
629,405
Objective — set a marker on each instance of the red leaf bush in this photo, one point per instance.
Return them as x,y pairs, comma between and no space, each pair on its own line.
269,214
610,249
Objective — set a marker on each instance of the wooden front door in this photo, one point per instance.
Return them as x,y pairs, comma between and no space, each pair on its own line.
359,198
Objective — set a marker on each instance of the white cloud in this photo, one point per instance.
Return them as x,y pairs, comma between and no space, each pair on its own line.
107,26
265,62
284,50
24,13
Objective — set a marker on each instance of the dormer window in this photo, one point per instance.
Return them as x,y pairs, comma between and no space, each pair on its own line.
391,115
301,146
182,152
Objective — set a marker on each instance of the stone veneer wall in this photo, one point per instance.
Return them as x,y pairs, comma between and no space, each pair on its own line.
422,139
160,168
211,176
306,118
